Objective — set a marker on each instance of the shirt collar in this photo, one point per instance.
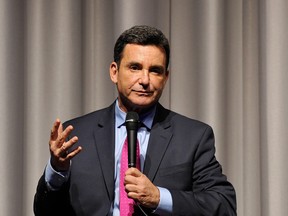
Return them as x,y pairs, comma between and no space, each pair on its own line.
145,118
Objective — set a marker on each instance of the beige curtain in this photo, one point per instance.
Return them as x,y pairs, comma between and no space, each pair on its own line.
229,65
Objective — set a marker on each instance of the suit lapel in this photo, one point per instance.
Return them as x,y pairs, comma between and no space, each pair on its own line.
160,137
104,137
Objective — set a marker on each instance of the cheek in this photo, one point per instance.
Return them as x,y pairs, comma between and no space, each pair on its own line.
159,84
131,81
126,83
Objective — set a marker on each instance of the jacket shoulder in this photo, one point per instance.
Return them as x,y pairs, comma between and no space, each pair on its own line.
176,119
98,117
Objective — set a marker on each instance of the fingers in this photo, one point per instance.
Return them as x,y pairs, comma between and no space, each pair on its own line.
133,179
141,189
74,153
58,136
63,147
133,172
54,130
62,136
60,146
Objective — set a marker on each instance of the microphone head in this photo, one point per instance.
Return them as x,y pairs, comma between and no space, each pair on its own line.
132,121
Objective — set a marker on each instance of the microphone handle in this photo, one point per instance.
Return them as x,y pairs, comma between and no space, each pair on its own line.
132,140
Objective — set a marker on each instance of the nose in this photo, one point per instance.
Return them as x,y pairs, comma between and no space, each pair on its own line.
144,78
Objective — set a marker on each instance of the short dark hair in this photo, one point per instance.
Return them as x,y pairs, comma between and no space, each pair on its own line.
141,35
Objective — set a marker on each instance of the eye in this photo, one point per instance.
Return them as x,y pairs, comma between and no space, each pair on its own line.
157,70
135,67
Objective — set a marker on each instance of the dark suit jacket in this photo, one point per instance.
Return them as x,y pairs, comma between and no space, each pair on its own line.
180,157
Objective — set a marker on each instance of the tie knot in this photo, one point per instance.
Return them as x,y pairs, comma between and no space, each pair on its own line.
142,125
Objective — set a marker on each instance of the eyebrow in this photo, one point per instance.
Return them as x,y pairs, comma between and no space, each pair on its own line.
134,63
158,67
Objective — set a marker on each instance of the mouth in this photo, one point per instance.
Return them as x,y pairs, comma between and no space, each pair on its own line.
143,93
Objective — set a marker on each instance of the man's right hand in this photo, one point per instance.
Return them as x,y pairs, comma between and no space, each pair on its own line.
60,157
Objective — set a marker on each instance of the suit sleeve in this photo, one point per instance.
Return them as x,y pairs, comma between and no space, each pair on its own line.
47,202
211,193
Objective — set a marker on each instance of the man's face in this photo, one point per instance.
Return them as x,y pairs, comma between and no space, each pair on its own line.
141,76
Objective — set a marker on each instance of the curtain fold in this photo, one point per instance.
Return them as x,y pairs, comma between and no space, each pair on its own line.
274,118
11,104
228,68
251,108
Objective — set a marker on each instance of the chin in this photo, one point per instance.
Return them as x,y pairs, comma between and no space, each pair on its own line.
139,103
143,103
143,106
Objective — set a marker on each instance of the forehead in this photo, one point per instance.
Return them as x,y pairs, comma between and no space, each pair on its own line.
144,53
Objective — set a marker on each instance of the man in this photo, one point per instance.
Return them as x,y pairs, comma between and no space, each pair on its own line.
179,174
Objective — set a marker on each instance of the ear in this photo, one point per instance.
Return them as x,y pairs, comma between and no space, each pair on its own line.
114,72
167,75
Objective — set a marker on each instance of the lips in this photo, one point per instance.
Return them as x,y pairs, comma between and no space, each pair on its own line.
144,93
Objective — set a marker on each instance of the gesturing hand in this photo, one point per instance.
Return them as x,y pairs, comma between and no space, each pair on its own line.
60,158
141,189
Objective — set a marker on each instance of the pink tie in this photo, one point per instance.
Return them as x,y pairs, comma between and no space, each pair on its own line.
126,204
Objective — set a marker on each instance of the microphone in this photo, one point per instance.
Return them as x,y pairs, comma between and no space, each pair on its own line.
132,125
